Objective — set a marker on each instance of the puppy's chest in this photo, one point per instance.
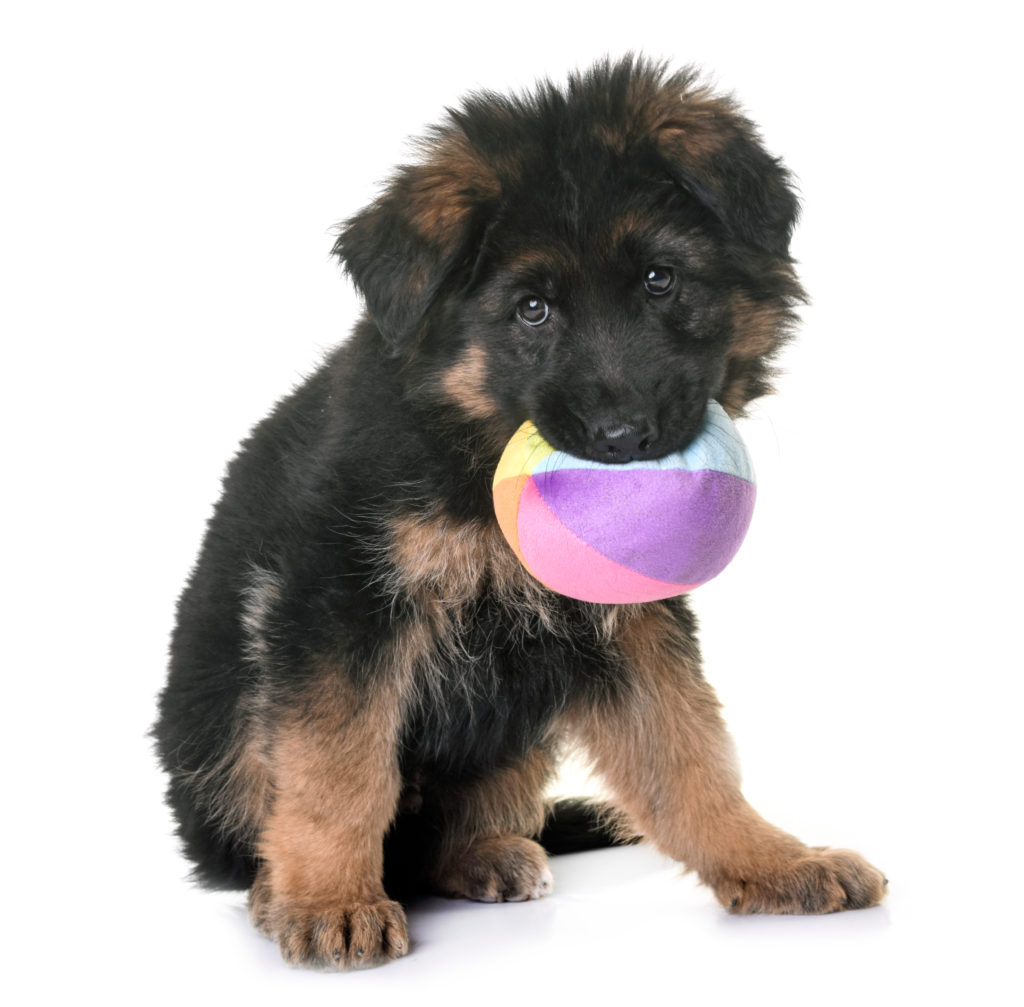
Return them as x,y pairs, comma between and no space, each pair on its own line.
438,559
502,655
488,693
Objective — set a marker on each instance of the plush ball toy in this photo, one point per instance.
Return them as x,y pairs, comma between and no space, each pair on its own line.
632,532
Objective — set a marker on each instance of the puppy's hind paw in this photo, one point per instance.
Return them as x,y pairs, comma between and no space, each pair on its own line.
500,869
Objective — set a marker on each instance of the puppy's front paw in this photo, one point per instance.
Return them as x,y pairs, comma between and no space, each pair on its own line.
357,935
501,869
818,881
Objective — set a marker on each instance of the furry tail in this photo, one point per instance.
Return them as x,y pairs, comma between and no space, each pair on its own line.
574,825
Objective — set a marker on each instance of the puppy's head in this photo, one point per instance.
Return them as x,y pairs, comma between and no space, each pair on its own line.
601,258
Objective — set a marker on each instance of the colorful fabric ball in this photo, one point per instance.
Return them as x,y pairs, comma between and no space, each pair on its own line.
633,532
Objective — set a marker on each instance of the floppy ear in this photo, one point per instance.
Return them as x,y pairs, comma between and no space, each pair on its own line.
400,250
715,153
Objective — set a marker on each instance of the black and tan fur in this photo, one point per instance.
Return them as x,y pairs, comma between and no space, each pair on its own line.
367,691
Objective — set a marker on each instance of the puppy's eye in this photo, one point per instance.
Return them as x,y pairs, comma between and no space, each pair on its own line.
658,280
533,310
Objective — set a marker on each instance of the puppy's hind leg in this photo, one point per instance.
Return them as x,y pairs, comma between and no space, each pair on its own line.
485,853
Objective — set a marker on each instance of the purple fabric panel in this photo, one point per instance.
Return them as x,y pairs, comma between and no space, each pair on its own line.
566,564
676,526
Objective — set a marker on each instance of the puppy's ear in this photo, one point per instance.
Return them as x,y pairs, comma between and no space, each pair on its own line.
402,248
714,152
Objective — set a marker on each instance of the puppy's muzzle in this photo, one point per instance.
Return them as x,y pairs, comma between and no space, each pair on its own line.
613,439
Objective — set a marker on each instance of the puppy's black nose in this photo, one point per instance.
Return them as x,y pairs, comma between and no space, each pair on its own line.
622,441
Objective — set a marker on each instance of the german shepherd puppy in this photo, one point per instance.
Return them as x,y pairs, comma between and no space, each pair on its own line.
366,688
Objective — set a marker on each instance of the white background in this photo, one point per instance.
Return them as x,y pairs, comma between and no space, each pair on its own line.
170,177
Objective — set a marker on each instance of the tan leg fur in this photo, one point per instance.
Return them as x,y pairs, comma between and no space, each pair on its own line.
484,854
336,787
664,751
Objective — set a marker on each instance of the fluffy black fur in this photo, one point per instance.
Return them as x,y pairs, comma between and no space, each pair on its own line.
601,258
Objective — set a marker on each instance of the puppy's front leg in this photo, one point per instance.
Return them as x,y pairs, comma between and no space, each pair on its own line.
319,890
662,747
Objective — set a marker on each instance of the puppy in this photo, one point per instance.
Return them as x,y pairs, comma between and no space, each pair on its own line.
367,691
